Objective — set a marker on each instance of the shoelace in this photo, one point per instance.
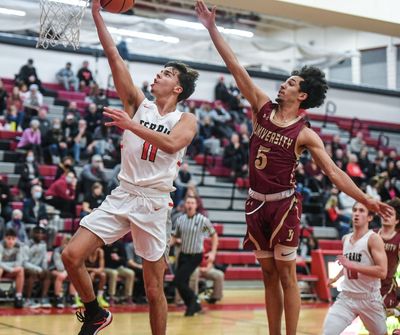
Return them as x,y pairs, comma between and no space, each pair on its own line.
80,316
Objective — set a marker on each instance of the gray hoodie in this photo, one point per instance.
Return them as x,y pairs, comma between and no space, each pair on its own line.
36,256
10,258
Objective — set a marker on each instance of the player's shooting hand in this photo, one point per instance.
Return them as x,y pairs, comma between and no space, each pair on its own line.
205,16
119,118
380,208
95,6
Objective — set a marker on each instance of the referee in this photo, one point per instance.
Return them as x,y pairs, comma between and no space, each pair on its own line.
191,229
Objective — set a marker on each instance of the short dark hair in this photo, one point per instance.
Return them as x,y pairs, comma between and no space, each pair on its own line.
187,78
10,232
314,84
395,203
30,61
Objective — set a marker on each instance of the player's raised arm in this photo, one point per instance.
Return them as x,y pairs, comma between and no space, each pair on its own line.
256,97
310,140
130,95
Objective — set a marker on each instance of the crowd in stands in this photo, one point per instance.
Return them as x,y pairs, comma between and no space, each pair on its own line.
80,148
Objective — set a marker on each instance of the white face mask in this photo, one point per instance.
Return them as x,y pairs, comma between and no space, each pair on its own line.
37,195
30,159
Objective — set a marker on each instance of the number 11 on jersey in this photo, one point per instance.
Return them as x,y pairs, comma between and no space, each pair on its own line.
149,152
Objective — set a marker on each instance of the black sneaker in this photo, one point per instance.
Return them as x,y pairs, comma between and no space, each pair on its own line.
211,301
18,302
92,326
193,309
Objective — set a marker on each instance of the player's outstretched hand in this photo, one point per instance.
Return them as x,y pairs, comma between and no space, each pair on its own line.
119,118
95,6
380,208
206,17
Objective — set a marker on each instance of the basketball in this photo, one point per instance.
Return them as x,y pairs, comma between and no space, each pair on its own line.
117,6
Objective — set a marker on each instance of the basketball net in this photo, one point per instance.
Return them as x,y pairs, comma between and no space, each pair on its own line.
60,21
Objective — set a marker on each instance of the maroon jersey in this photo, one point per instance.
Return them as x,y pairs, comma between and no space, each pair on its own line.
273,160
389,284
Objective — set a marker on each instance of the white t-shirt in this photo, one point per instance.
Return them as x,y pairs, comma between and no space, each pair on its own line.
144,165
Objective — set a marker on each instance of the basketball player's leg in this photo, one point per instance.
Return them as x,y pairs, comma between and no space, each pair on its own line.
153,275
273,292
339,317
373,315
291,294
82,244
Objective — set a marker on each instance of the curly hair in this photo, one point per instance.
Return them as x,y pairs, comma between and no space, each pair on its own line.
314,84
187,78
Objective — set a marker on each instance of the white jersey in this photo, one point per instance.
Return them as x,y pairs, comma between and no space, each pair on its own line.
143,164
356,282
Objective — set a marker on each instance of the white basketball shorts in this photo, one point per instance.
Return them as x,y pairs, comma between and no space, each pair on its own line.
143,211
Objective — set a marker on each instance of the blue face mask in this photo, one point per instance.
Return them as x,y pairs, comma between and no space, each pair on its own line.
37,195
17,221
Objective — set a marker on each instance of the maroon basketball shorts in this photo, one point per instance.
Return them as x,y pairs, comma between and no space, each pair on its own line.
272,223
389,294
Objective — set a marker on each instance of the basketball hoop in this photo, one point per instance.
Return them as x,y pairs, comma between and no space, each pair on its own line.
60,21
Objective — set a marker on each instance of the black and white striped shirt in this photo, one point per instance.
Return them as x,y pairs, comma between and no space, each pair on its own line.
192,232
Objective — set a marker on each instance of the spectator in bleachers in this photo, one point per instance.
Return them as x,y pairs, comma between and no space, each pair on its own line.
93,200
36,269
72,109
354,170
302,183
181,183
44,123
346,204
221,117
116,266
30,174
221,91
135,262
18,226
203,111
5,199
376,168
3,98
13,119
11,261
235,157
60,275
83,142
66,165
316,180
15,99
146,90
93,172
33,100
336,144
61,194
357,143
192,192
363,161
101,100
208,135
53,143
191,229
70,131
114,181
95,266
66,77
387,190
31,139
34,209
334,214
85,76
372,188
27,75
93,117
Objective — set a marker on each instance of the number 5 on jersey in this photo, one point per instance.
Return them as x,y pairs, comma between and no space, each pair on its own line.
261,159
149,152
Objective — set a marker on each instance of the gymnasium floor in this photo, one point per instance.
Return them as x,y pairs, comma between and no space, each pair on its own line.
240,313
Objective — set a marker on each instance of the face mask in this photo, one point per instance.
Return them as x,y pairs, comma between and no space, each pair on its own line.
56,126
67,166
17,221
30,159
37,195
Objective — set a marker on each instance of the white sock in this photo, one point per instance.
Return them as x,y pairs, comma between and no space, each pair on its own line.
100,293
